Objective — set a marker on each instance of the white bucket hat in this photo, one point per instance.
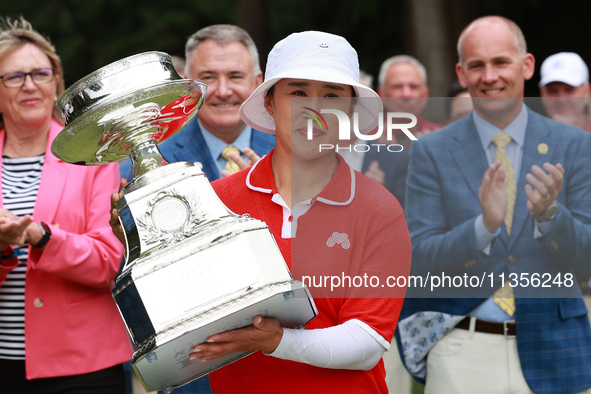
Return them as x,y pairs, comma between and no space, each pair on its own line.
316,56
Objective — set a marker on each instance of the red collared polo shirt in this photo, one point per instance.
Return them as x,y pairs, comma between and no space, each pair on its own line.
354,227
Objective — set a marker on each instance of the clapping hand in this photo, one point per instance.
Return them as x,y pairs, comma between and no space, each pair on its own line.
242,164
12,228
543,187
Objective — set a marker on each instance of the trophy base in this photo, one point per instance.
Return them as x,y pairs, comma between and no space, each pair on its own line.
165,364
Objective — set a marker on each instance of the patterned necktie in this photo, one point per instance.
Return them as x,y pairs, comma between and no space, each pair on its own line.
504,297
502,140
230,165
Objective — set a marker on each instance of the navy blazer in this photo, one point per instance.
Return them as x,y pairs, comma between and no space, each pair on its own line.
189,145
445,173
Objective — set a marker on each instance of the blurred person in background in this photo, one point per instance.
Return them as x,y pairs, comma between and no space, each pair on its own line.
459,103
565,91
387,168
403,86
60,330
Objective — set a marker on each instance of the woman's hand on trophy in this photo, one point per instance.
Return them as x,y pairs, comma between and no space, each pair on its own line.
114,219
265,334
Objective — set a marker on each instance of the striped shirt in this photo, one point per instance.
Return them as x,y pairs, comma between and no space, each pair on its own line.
20,182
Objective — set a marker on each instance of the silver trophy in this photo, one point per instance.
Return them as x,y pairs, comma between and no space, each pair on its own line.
193,267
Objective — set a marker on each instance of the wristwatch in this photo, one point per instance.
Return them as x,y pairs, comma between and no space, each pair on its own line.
46,235
550,213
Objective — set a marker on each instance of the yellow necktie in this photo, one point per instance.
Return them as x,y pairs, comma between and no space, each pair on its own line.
502,140
504,297
230,165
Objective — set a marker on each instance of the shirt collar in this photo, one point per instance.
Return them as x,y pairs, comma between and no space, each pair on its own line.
339,191
341,188
260,176
515,129
216,145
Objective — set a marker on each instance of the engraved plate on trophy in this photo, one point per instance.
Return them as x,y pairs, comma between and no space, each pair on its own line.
193,267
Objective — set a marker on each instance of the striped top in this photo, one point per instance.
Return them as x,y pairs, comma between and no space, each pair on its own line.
20,182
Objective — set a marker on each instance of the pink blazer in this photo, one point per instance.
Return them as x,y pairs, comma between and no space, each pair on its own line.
72,324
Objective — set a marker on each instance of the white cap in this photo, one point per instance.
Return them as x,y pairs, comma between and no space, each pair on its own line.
565,67
316,56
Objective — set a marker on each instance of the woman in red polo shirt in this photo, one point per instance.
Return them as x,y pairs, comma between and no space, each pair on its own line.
328,221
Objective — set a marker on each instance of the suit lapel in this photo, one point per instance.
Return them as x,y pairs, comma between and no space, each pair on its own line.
469,156
195,143
536,133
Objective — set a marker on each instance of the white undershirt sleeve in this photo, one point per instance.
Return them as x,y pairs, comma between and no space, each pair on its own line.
351,345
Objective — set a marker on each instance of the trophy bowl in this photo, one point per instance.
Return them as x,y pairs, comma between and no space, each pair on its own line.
124,109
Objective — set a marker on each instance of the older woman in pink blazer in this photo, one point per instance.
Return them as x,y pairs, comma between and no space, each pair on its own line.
60,329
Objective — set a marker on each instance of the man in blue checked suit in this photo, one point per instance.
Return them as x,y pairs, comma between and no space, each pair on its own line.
226,59
503,191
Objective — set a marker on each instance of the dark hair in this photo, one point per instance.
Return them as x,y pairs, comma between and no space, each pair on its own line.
456,89
453,91
354,95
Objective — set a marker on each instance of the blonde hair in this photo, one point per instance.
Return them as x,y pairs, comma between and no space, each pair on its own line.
17,32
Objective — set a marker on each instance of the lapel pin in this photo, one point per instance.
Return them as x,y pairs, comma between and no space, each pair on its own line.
543,148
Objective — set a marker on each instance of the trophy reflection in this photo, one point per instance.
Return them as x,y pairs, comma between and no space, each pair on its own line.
193,267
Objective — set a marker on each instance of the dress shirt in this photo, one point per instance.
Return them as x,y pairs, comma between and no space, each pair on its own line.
216,145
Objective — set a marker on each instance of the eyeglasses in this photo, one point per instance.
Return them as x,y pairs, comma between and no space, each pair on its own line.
17,79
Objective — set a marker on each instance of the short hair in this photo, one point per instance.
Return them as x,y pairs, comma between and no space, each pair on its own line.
401,59
18,32
520,43
456,89
222,34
